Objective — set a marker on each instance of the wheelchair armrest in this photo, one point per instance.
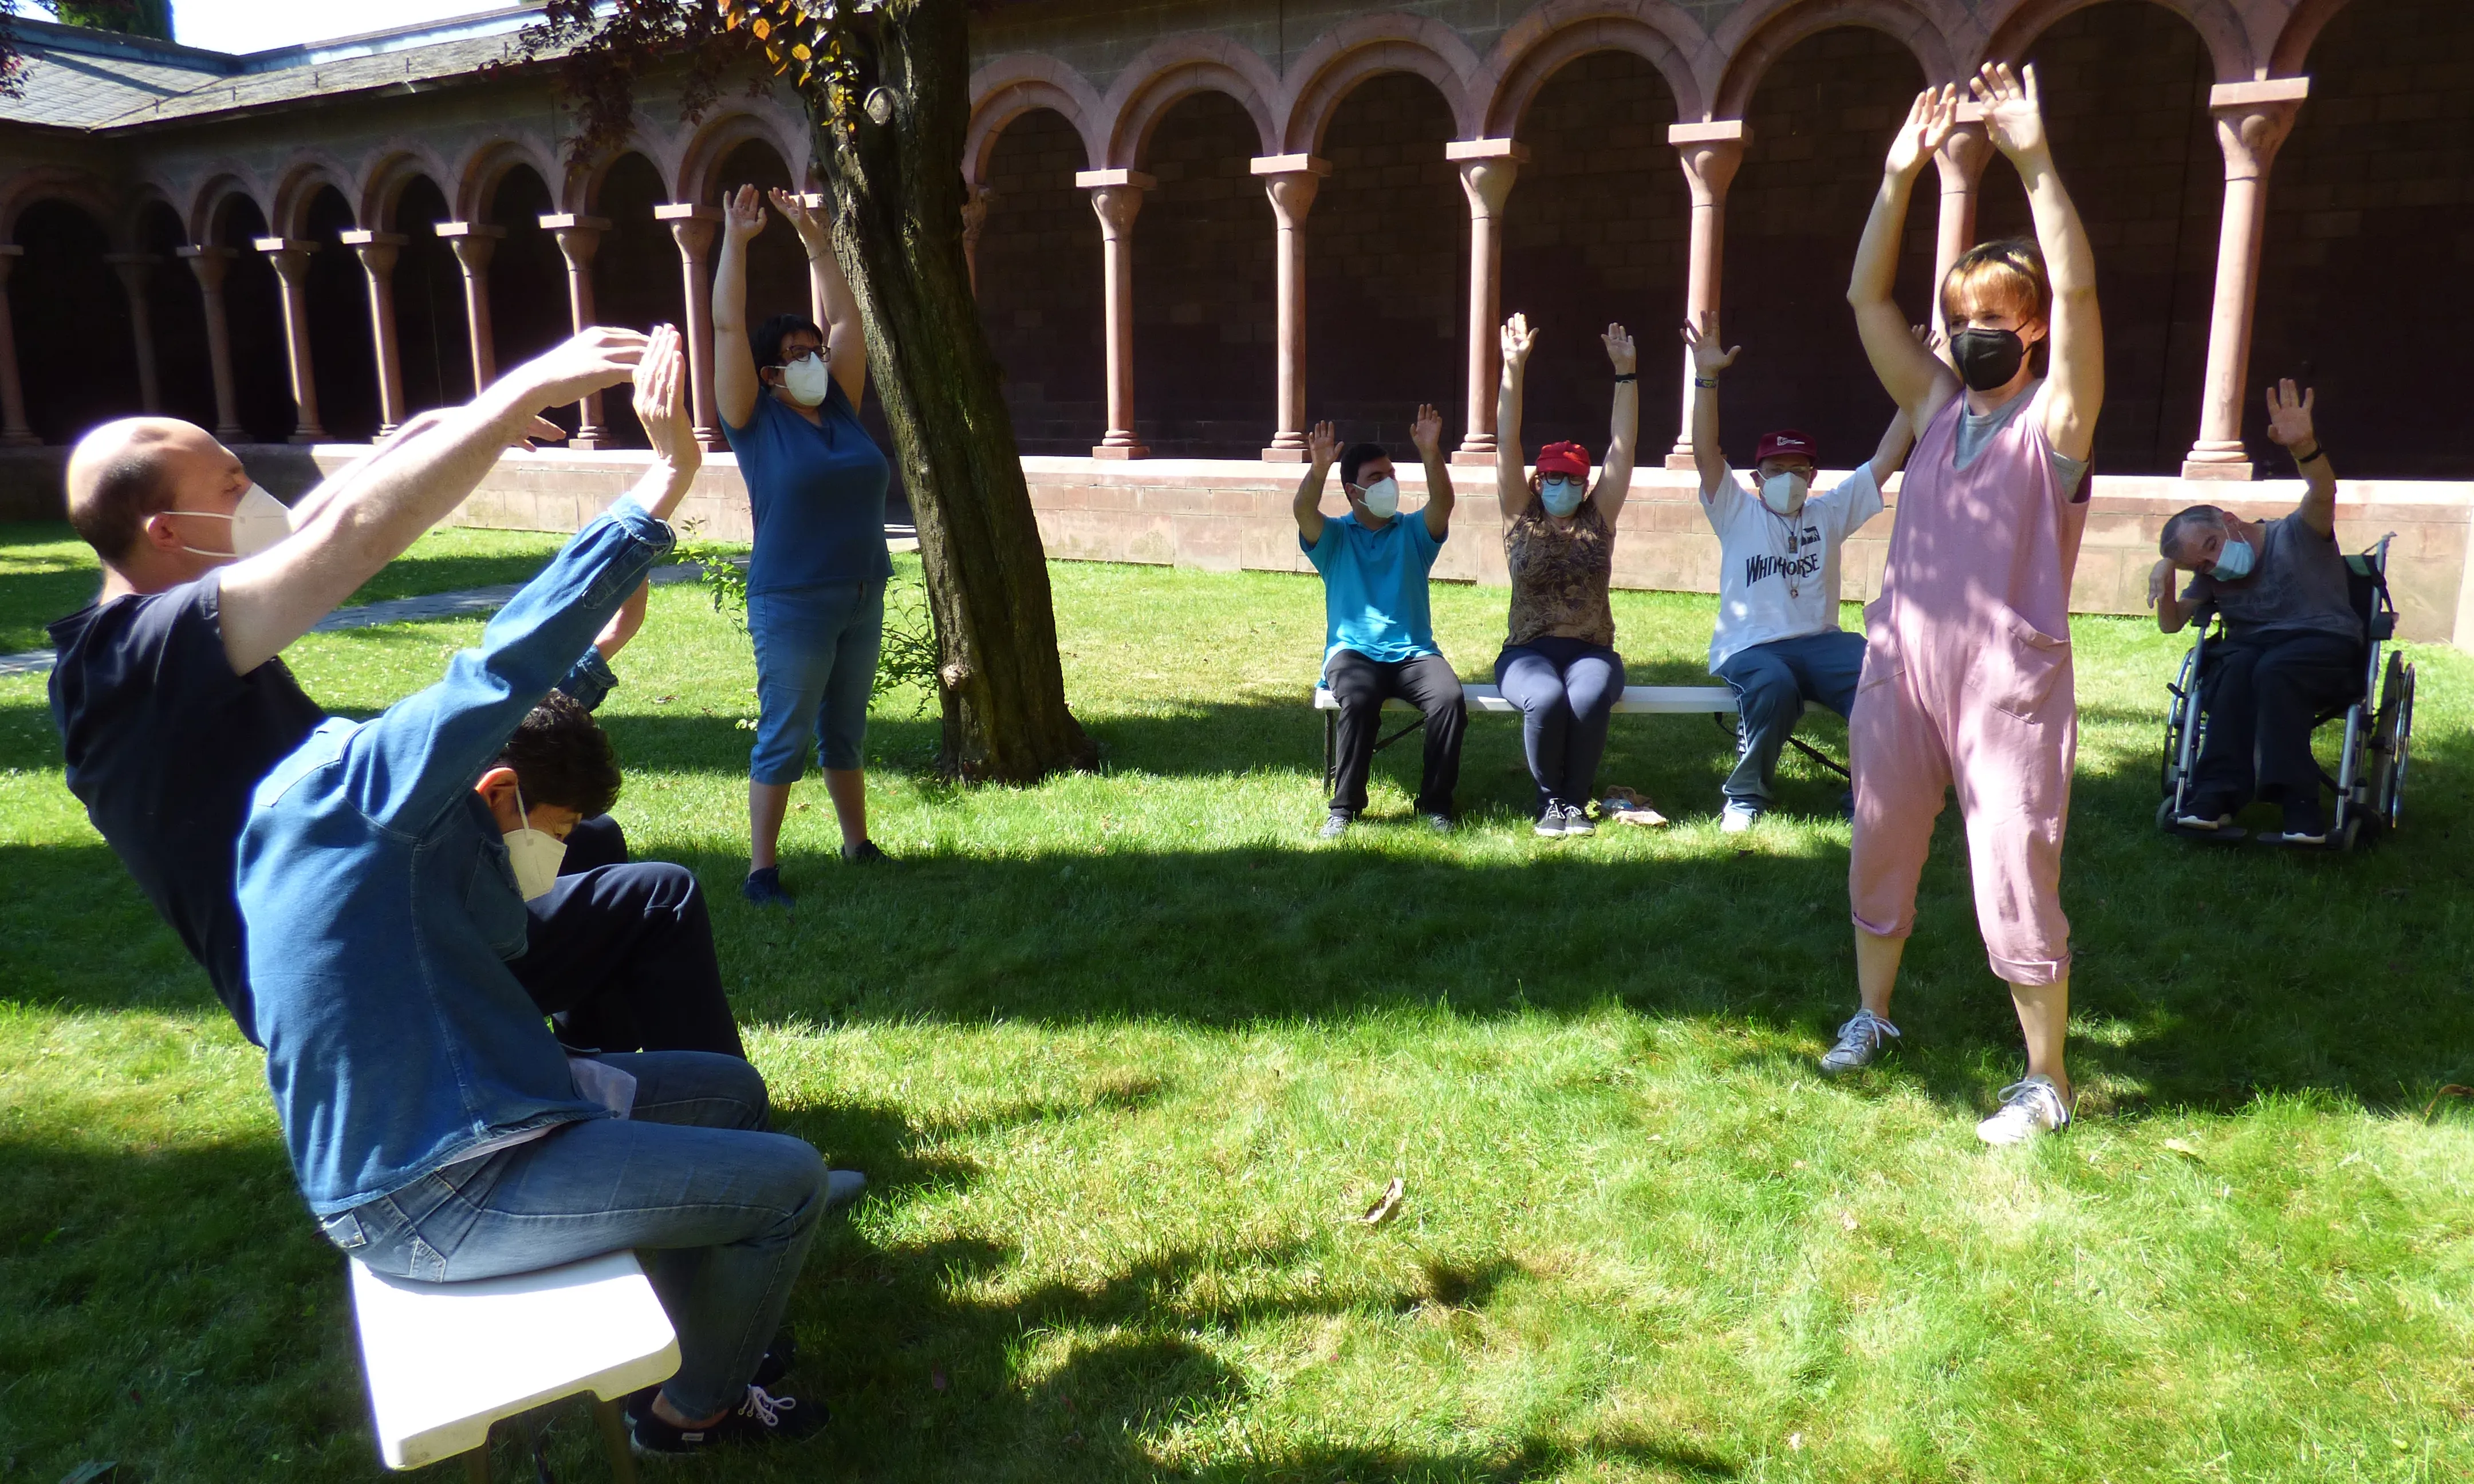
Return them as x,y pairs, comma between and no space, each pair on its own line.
2383,627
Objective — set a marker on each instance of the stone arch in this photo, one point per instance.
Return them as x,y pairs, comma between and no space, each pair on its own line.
223,184
2302,26
1180,67
382,184
300,186
1369,46
71,315
1757,36
580,187
2219,27
1012,87
1562,31
714,141
52,182
487,164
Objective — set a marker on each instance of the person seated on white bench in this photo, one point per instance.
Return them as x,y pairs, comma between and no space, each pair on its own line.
1558,662
2293,645
436,1127
1777,643
1379,638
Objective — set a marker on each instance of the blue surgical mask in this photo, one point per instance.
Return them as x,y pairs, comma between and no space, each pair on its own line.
1562,495
2234,562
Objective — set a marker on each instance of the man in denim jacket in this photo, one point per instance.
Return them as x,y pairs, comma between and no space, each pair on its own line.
436,1127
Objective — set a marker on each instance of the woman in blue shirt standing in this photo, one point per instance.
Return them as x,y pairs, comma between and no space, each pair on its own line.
788,397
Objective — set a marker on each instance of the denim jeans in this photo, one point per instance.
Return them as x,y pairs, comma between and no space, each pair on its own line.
720,1211
816,651
1772,681
1566,690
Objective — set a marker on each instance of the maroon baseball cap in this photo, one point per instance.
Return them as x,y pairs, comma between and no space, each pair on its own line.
1564,459
1785,442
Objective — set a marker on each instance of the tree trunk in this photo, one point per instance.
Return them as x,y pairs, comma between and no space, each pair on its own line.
897,188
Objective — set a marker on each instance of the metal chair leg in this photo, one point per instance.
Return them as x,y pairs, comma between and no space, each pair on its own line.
614,1441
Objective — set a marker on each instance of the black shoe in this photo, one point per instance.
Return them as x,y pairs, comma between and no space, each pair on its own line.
764,888
863,853
1335,826
761,1417
1550,821
1576,821
843,1188
775,1363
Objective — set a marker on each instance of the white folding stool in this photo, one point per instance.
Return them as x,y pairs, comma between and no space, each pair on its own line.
445,1360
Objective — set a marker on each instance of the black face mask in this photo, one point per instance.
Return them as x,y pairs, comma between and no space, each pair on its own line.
1987,359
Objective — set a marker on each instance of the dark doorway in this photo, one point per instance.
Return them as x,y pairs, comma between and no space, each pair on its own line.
75,354
1039,288
528,307
636,277
343,351
254,308
1206,323
433,342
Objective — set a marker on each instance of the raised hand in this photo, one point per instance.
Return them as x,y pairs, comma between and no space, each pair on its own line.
662,400
2160,580
1928,124
2289,416
1519,339
2014,114
1323,446
1619,349
742,214
1707,360
601,356
813,233
1427,432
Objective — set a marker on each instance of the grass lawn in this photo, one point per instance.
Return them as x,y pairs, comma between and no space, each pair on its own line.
1123,1054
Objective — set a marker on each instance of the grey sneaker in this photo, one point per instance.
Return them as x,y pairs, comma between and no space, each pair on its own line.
1550,821
1860,1042
1576,821
1335,826
1442,824
1739,816
2030,1108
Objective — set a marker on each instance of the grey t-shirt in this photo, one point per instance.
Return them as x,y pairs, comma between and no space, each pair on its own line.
1974,432
2296,586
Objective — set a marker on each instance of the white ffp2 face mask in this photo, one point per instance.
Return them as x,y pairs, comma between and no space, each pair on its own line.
258,521
1784,492
535,853
1381,498
808,379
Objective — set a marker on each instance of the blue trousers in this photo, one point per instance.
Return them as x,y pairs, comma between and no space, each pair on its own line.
1566,690
816,651
1772,681
719,1209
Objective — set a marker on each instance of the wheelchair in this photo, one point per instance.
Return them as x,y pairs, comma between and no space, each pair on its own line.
2369,781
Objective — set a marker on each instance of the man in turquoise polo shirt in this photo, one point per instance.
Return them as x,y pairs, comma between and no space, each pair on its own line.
1379,641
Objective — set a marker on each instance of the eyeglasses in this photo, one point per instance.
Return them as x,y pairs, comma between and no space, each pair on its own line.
818,355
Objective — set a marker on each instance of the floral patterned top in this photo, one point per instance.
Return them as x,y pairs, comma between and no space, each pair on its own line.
1560,573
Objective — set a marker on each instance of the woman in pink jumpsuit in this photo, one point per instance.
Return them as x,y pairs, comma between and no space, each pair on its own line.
1967,663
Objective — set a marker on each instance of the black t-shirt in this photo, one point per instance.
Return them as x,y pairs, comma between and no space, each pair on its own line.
165,745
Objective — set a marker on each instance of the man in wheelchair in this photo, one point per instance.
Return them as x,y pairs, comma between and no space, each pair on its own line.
2292,647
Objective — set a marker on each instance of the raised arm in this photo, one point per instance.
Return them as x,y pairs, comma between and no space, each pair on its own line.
1623,426
2172,612
271,599
836,307
2075,383
1322,448
2290,427
736,383
1920,384
1892,450
1428,434
1510,468
1707,361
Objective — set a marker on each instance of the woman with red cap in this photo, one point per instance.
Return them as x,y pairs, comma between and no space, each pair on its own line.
1558,663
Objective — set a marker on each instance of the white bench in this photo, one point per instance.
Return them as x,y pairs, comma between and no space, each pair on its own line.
445,1360
1718,701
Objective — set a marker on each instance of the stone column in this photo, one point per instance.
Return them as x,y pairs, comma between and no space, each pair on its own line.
1961,163
290,256
1290,180
1487,168
15,430
692,229
209,264
136,270
2253,122
377,253
473,243
1711,153
1116,196
579,237
975,217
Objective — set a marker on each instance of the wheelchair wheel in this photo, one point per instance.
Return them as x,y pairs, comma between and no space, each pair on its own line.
2176,717
2393,741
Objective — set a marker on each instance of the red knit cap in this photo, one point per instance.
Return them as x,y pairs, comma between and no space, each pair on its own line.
1564,459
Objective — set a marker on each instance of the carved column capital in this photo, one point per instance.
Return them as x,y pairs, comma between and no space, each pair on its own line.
975,214
2254,120
208,264
690,226
1487,168
472,242
1291,181
1962,159
378,251
1116,197
1711,153
290,256
579,237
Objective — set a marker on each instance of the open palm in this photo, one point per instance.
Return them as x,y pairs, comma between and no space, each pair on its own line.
2014,114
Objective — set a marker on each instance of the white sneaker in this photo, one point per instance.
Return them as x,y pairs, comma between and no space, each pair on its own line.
1859,1042
1739,817
2202,822
2028,1109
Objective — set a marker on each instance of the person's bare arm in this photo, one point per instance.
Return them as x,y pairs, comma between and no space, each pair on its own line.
1322,448
662,409
272,598
736,384
2290,427
1918,382
1892,451
1511,470
2164,596
1428,434
2074,382
1623,427
1709,459
835,306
